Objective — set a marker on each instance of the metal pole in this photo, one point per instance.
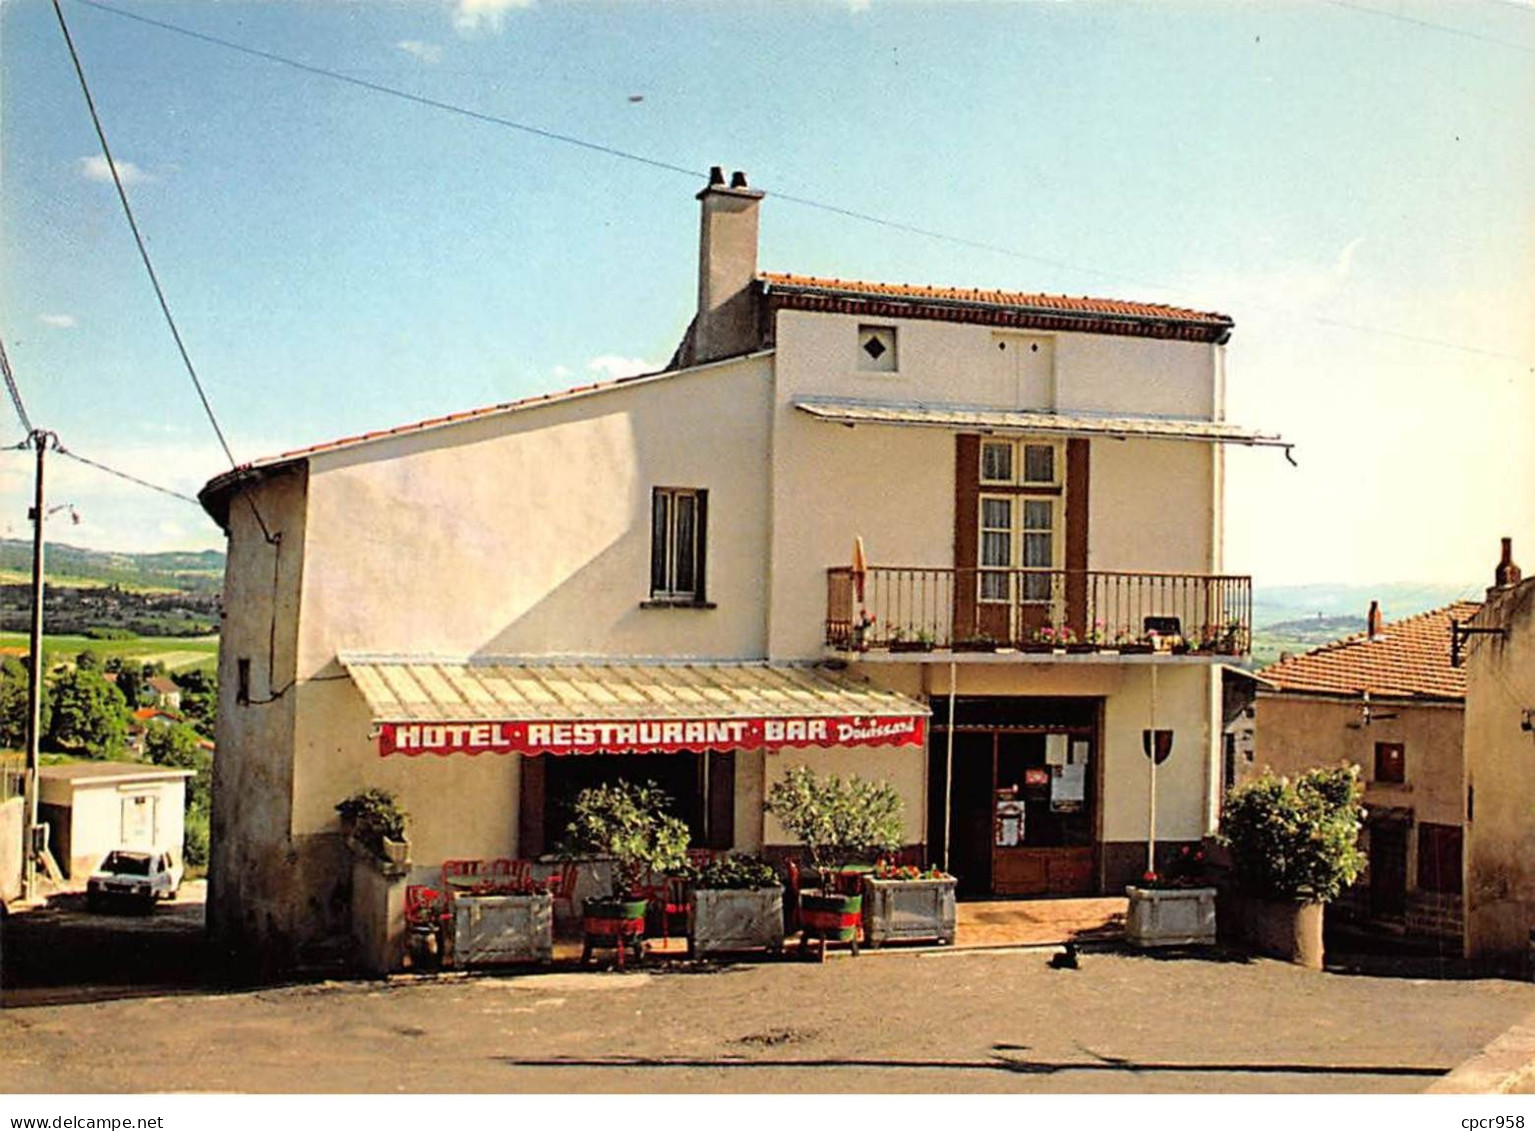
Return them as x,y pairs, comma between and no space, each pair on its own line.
40,440
1151,817
948,771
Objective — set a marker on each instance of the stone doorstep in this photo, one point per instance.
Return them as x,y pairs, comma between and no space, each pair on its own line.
1505,1064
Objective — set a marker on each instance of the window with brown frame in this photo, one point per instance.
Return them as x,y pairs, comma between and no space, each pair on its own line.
1390,762
678,540
1439,858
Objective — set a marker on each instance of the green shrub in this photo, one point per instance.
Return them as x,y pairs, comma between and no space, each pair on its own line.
194,850
735,873
1296,839
375,816
631,824
837,821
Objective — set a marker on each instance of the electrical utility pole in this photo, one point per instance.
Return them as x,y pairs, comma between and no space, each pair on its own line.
40,440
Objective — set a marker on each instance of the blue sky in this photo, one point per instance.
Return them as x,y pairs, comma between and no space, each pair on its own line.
341,260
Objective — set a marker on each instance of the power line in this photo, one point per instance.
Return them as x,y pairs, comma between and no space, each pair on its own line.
807,202
10,387
63,451
138,239
1445,28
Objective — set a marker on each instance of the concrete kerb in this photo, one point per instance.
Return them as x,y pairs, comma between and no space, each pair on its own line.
1504,1065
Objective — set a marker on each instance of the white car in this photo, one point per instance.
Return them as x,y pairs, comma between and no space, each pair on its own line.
134,876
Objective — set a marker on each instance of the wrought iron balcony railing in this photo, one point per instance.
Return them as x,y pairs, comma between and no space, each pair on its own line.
917,609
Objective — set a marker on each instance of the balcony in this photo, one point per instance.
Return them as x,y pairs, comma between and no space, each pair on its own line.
1034,610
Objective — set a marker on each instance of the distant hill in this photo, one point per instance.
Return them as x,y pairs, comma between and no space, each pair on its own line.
1275,604
1298,618
199,572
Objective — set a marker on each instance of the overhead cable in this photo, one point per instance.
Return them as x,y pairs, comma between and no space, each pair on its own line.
63,451
10,387
807,202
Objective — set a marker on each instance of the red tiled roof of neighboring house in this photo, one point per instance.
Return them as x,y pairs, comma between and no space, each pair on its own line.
1410,659
1044,311
144,714
163,685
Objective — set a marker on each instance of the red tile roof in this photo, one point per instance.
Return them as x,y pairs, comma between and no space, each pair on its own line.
1409,659
1067,305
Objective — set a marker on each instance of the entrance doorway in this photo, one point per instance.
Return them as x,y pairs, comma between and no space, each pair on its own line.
1388,869
1023,803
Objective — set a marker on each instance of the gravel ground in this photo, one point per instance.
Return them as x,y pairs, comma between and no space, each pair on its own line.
958,1021
99,1003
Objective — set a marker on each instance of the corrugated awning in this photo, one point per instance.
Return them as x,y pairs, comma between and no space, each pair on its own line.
1012,421
479,706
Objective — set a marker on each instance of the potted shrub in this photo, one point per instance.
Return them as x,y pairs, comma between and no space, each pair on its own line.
900,642
373,821
1294,847
839,822
1175,907
903,901
631,826
736,904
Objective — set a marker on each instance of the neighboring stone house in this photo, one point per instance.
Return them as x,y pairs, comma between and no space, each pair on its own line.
1499,655
657,572
1390,701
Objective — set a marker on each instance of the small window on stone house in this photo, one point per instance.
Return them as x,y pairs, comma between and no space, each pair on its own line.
1390,763
877,349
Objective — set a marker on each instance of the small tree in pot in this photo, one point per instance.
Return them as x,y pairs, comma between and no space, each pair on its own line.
1294,848
839,822
631,825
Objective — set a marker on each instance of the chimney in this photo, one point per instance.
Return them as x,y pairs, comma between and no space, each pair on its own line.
1372,622
1507,575
726,323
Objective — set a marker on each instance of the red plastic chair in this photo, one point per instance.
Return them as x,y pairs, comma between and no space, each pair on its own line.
562,884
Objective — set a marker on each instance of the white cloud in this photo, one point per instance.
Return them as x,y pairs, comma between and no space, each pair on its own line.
471,16
95,169
426,52
562,372
611,365
59,321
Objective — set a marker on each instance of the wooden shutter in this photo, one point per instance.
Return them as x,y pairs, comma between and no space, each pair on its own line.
530,806
1076,535
722,799
967,517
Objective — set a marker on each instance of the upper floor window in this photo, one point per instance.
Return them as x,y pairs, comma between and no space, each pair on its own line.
1024,463
876,349
1390,762
678,518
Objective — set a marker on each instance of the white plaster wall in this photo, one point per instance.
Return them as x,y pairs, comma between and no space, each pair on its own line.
956,363
1152,506
1500,757
529,533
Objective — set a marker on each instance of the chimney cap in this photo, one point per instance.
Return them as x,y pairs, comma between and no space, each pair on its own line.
716,175
738,179
1507,573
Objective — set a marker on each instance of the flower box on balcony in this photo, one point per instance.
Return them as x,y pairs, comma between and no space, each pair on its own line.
1170,917
911,646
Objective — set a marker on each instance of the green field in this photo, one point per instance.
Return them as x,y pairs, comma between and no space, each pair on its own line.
177,653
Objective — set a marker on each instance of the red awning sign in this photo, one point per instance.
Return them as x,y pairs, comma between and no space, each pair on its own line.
648,736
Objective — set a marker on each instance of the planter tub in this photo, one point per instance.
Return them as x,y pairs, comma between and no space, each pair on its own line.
493,929
908,909
910,646
1170,917
897,910
615,923
829,918
721,920
1282,928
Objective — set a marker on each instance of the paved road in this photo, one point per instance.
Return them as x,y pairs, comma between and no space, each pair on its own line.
963,1021
108,1003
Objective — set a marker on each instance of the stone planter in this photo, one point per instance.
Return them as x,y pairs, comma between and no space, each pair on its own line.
1282,928
898,910
1170,917
491,930
397,852
722,920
